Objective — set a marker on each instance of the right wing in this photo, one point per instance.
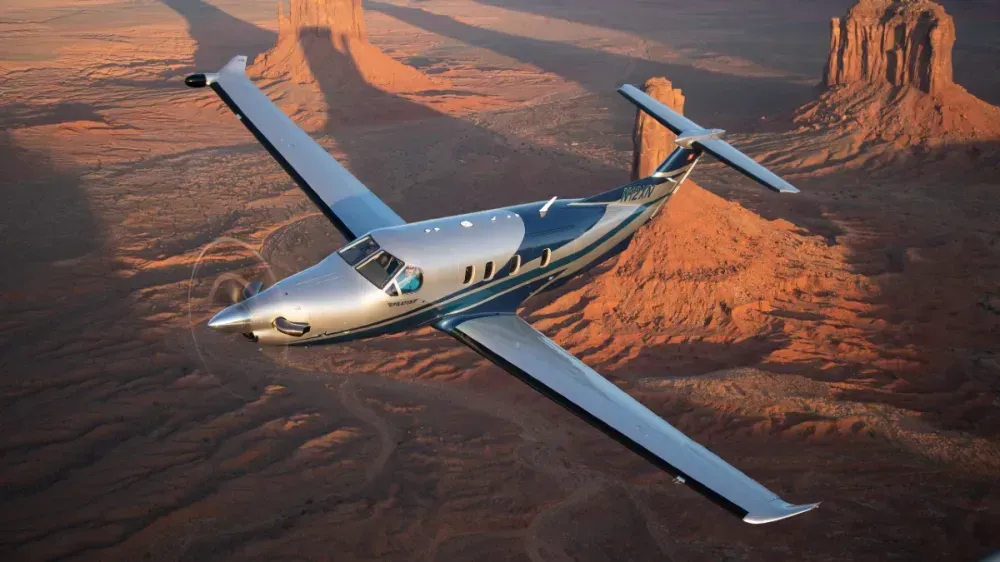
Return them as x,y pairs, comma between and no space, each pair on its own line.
514,345
349,205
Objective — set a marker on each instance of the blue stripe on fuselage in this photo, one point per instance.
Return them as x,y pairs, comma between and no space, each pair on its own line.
562,224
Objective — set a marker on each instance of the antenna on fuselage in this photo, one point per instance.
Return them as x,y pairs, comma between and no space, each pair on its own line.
545,208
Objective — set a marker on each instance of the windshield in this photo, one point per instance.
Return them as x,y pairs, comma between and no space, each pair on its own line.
359,250
380,269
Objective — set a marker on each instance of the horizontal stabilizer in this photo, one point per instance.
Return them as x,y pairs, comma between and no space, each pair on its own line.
742,163
705,140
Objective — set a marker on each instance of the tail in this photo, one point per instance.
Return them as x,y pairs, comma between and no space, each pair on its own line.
692,142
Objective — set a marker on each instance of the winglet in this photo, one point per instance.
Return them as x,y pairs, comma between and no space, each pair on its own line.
237,64
781,510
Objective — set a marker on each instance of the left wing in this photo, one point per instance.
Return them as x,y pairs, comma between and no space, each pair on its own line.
349,205
514,345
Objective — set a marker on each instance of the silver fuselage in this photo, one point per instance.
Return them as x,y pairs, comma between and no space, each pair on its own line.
339,304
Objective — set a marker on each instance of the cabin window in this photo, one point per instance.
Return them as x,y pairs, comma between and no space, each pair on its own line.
470,274
546,256
488,272
380,268
515,264
357,251
409,280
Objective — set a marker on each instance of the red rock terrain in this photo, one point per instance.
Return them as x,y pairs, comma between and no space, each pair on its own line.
838,346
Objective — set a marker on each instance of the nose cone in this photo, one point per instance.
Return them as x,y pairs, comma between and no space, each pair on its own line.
234,320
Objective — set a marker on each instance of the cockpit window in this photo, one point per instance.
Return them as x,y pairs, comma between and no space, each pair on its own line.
359,250
410,279
380,269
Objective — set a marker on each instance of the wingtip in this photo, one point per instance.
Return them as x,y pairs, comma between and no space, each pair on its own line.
780,511
776,184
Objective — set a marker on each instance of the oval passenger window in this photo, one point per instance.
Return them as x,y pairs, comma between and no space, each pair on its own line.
515,264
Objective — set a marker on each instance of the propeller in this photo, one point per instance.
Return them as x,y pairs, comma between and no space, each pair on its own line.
226,272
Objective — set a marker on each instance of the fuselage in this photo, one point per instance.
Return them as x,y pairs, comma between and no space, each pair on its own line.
407,276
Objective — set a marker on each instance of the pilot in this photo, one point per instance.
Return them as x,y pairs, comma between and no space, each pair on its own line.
410,280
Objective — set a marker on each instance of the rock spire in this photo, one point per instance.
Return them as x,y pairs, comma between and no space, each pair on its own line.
653,142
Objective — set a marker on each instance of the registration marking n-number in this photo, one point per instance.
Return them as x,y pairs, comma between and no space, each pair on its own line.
636,192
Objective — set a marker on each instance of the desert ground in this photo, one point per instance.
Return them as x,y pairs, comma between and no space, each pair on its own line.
840,346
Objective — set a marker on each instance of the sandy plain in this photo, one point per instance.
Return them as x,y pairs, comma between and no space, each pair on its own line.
840,346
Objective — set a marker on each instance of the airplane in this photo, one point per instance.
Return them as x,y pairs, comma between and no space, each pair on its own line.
466,275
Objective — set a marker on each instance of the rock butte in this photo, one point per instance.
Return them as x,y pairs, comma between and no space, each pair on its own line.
324,44
889,80
343,18
900,42
323,39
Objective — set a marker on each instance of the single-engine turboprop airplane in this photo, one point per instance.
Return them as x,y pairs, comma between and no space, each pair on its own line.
466,275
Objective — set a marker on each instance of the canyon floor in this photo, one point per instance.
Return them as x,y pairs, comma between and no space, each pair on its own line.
861,368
